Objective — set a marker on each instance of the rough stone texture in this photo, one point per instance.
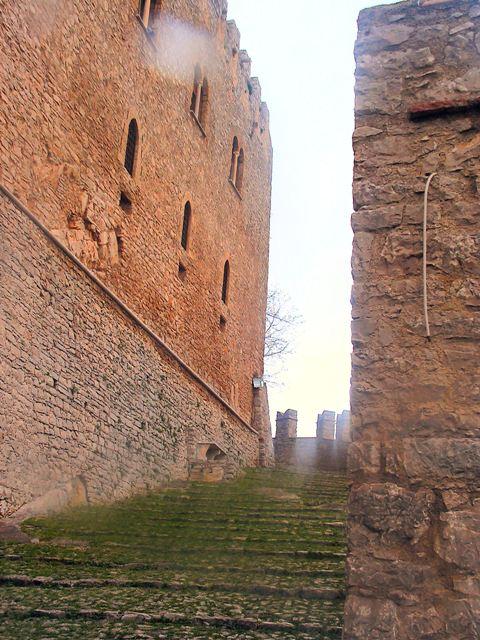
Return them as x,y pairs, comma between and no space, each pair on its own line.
261,423
258,558
343,428
328,450
326,424
286,424
85,393
413,570
72,76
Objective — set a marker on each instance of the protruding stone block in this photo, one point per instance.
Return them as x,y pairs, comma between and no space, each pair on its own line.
322,452
326,423
428,3
343,433
286,424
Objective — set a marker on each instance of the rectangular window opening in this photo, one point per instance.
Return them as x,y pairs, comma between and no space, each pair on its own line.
125,203
182,271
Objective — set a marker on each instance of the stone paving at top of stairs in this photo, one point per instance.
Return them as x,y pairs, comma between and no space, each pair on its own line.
258,557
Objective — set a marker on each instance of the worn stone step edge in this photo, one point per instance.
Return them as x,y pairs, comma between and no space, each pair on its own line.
308,593
256,497
233,551
240,520
165,617
271,504
269,497
236,488
278,526
174,566
241,523
200,540
307,515
268,506
315,482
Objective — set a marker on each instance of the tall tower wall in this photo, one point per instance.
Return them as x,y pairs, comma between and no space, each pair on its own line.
73,77
133,134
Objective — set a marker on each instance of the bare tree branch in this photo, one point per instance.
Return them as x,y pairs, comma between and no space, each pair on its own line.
280,323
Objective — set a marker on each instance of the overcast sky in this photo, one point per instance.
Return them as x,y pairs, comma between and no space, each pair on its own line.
303,54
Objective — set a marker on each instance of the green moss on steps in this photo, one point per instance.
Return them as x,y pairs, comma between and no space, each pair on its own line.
256,548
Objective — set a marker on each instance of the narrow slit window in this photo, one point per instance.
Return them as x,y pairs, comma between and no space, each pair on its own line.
195,94
202,112
240,167
199,102
187,216
234,162
237,165
148,10
131,147
226,282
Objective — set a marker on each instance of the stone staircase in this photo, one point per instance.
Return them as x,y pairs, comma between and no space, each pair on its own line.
259,557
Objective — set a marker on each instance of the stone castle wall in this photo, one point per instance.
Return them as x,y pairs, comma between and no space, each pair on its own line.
72,77
328,450
414,521
85,392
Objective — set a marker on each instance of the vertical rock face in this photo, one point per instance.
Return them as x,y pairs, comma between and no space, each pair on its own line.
414,535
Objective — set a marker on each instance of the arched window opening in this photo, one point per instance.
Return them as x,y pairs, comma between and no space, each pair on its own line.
125,203
226,282
234,163
187,216
148,10
240,167
199,102
131,147
214,453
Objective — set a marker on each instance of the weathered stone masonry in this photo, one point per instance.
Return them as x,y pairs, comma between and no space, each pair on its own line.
414,523
84,391
73,75
328,450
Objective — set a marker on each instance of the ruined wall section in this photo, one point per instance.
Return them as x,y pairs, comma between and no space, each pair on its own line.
85,393
414,508
326,425
328,450
73,74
